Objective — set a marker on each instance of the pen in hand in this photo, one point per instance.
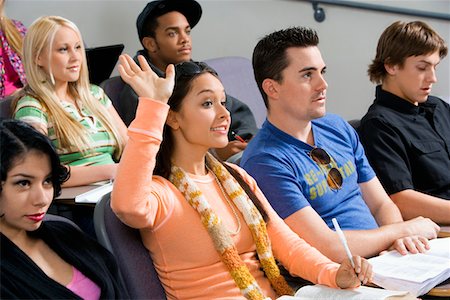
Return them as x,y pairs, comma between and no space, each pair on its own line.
237,137
343,240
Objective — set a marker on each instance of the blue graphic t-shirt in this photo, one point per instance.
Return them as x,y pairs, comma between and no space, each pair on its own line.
291,180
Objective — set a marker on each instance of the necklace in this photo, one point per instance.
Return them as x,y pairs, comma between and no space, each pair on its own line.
227,198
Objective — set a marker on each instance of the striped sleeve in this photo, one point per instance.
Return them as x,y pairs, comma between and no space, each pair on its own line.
30,110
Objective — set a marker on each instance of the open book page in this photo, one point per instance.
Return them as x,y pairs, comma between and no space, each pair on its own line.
416,273
362,293
440,247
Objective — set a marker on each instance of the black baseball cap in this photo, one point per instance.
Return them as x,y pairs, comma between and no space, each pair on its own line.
191,9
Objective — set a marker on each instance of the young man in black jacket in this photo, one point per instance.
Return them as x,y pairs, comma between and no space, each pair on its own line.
164,29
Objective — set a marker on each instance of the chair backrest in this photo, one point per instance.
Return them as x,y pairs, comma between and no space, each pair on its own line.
134,260
355,123
113,87
236,74
51,217
5,108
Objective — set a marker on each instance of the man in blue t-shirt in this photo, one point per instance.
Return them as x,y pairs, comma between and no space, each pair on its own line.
311,166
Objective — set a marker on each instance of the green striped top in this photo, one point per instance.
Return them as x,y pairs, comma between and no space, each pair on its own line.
29,109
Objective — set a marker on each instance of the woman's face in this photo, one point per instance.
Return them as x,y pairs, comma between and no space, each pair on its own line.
65,58
203,119
26,193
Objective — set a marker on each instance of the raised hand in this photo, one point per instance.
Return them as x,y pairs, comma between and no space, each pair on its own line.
349,277
144,81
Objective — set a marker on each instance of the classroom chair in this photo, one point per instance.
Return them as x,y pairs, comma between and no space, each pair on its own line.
236,74
355,123
113,87
5,108
51,217
135,263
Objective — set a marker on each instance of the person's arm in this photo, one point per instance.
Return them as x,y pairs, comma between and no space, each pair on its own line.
230,149
300,259
285,193
83,175
136,197
413,204
379,203
366,243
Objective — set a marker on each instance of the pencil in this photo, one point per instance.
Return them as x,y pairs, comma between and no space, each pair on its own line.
237,137
343,240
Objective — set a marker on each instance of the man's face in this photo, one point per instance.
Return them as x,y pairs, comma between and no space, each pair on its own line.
172,42
413,81
301,95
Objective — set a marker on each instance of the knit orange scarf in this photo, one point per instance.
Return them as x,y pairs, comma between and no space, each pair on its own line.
222,239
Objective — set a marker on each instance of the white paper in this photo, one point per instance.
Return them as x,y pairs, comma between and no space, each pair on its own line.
95,195
323,292
416,273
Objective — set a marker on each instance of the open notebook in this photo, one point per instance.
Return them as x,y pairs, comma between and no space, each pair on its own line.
312,292
416,273
101,61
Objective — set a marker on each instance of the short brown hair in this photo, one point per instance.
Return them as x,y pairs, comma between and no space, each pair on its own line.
402,40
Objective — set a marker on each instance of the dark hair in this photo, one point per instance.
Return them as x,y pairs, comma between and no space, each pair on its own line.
401,40
185,74
17,139
269,55
150,26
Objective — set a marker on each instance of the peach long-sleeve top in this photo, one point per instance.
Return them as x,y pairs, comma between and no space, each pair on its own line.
183,253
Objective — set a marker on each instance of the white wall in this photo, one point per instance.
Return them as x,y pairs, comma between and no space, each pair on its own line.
232,27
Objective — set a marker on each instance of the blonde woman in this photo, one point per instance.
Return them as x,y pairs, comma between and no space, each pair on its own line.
60,102
11,67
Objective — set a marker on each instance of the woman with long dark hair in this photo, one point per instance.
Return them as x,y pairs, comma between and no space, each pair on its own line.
44,259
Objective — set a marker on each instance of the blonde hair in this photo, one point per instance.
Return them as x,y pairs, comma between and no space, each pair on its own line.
12,34
71,134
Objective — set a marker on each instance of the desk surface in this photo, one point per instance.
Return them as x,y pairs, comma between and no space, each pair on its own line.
442,290
445,232
70,193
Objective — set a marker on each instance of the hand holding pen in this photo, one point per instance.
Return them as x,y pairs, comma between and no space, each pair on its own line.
355,270
237,137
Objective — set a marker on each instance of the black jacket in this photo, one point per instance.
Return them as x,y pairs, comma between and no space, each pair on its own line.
21,278
242,120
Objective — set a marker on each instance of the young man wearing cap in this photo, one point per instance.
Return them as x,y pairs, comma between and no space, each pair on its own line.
311,166
164,29
406,132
